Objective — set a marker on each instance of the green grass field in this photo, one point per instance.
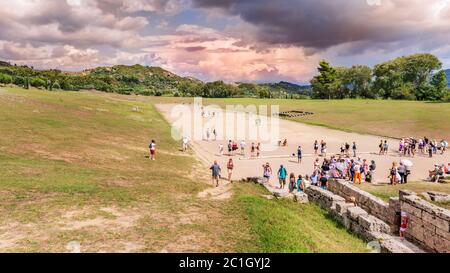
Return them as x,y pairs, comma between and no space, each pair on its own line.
378,117
73,167
389,118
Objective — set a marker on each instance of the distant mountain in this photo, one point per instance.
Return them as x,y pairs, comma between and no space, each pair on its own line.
447,72
290,88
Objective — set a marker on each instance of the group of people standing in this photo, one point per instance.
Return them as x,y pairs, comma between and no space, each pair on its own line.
295,183
412,146
255,148
399,173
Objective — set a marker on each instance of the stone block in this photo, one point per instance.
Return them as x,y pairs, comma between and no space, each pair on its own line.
439,197
434,220
373,224
355,212
411,210
394,203
443,233
341,208
441,245
278,193
300,197
415,229
404,193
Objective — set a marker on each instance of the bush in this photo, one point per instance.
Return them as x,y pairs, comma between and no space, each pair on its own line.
18,80
38,82
56,85
5,79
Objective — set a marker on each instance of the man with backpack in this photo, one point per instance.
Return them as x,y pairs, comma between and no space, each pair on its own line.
282,173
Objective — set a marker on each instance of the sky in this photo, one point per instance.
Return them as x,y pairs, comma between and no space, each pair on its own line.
229,40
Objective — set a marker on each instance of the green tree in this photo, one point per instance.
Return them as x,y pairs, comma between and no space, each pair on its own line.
439,86
325,85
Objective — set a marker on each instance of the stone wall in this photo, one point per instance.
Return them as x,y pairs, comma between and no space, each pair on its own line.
429,225
387,212
351,216
359,221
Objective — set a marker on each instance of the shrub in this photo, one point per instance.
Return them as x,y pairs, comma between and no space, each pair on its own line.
5,79
19,80
38,82
56,85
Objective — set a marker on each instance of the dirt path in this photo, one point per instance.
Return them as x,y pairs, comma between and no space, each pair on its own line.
304,135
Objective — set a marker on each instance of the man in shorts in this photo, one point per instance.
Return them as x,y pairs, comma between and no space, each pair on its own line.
215,173
282,173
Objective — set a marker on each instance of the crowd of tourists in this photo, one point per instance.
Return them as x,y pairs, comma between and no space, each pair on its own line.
412,146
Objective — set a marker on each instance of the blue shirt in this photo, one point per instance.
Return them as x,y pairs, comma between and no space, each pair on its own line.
215,169
282,173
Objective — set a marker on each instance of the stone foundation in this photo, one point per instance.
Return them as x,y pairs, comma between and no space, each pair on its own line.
361,222
429,225
387,212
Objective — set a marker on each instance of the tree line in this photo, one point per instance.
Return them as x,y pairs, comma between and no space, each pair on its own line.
414,77
142,80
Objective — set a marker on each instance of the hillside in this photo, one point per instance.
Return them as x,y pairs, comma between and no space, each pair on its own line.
136,79
290,88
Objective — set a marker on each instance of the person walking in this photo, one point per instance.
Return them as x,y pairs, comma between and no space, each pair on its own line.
230,167
282,176
299,154
267,172
385,147
215,173
354,149
347,149
393,174
381,148
207,134
352,170
401,171
243,147
357,172
152,147
372,168
316,147
185,143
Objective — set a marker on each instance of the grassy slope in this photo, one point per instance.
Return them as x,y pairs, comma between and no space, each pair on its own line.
73,167
284,226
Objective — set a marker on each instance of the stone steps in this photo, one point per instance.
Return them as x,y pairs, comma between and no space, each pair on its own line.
397,245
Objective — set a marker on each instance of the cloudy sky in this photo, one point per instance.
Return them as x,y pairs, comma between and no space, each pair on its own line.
231,40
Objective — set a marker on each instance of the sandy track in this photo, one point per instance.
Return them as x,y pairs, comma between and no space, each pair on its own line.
304,135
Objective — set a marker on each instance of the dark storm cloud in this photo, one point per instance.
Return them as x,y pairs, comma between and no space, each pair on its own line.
322,24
